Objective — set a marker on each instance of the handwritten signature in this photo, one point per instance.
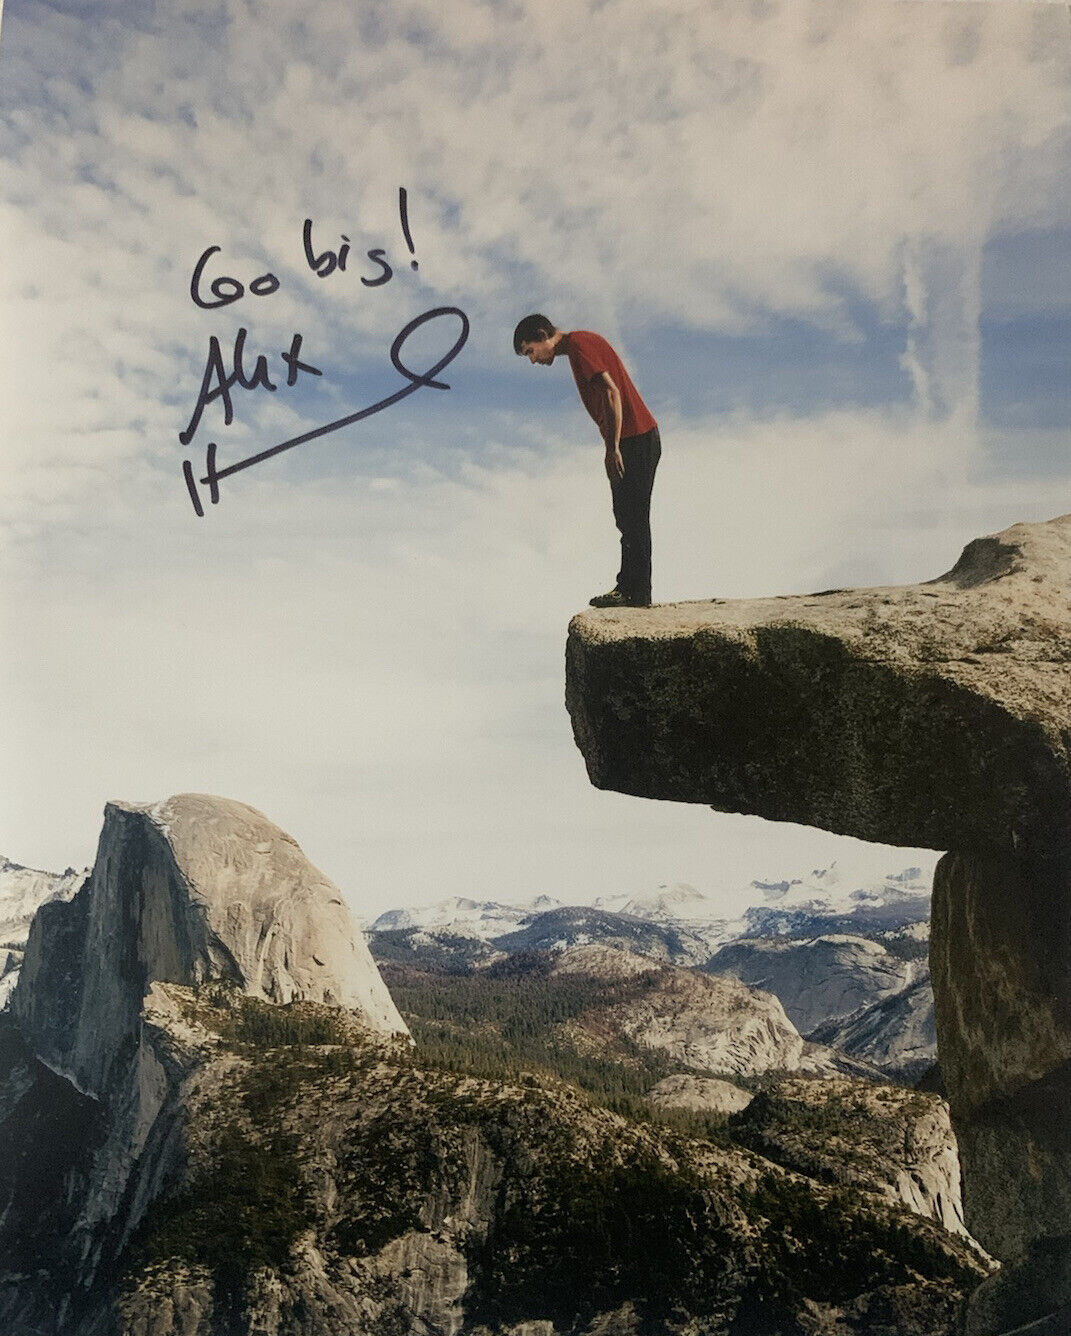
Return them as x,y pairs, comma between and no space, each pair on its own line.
217,383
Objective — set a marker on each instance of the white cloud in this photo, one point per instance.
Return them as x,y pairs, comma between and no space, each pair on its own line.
380,668
698,164
377,661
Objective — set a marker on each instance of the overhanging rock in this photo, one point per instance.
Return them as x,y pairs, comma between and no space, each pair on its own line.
935,714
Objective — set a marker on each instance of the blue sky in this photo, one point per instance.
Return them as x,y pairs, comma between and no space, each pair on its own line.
830,239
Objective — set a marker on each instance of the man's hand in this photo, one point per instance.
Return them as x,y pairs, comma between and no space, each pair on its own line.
615,465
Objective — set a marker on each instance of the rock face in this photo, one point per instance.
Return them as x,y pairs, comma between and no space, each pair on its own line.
331,1183
885,1139
190,891
934,715
182,891
23,890
925,715
706,1023
816,980
391,1198
701,1022
897,1034
700,1094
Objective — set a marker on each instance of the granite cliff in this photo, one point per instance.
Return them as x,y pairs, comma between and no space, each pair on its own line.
96,1085
213,1123
346,1186
818,979
702,1022
23,890
937,715
897,1034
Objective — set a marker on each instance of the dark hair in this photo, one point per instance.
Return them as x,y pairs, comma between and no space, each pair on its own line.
532,329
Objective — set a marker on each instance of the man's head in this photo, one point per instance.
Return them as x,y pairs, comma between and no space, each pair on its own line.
537,339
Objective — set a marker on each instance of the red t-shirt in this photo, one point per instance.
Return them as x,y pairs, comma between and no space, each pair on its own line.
589,356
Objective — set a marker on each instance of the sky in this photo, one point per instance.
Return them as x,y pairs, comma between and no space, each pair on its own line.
831,240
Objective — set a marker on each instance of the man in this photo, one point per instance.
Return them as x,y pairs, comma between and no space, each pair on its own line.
629,433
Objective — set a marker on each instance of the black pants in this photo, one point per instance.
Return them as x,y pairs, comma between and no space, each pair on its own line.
632,512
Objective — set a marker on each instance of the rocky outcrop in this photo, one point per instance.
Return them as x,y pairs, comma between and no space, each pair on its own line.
10,964
885,1139
819,979
328,1182
699,1094
182,891
925,715
191,891
897,1034
23,890
936,714
701,1022
393,1198
705,1023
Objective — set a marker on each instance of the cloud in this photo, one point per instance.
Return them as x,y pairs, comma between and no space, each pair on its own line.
379,666
365,638
701,166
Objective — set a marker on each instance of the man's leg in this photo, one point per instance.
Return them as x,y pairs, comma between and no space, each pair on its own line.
632,513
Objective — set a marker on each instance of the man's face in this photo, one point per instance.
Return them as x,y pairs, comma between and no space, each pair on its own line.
539,350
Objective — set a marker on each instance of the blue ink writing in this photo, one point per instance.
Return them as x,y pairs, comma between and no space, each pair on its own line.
403,209
226,289
416,379
217,382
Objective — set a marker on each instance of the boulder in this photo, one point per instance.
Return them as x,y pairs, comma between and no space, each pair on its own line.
699,1094
935,714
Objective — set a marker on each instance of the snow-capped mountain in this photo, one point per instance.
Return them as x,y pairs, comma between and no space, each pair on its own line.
482,919
666,902
834,899
839,898
842,946
583,925
24,889
679,906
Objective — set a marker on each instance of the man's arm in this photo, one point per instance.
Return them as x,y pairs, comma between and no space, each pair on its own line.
615,465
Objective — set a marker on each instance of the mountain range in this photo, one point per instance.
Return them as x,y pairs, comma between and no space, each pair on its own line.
844,953
217,1115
